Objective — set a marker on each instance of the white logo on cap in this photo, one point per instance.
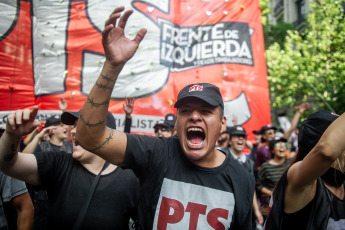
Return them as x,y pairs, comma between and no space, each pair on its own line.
239,128
195,88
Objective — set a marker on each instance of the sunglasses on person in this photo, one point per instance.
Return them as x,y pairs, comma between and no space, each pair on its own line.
280,144
163,129
270,132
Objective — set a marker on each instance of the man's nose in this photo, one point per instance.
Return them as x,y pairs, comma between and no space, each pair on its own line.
195,115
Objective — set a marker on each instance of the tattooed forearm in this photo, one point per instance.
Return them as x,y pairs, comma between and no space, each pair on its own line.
10,156
103,86
95,104
86,123
107,140
107,78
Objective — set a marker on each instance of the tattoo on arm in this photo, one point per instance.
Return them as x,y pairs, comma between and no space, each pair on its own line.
107,78
88,124
107,140
95,104
100,85
10,156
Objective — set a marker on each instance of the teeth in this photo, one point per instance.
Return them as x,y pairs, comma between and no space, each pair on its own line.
195,130
190,143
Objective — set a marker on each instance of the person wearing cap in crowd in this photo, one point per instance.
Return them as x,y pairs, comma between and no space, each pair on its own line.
170,119
237,142
185,182
58,134
263,154
310,194
224,138
67,178
271,171
254,146
268,132
163,129
58,140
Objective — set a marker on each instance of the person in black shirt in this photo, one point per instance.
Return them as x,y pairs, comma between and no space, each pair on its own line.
310,194
67,178
185,183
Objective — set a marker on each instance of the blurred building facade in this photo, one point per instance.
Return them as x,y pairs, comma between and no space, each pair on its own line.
289,11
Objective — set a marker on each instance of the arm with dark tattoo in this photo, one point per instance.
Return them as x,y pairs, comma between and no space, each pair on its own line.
104,143
95,104
100,85
90,125
106,83
98,148
107,78
11,155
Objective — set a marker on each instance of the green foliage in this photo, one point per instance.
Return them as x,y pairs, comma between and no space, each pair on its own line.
276,33
265,10
311,66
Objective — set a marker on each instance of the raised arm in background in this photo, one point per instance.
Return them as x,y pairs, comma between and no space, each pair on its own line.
18,165
92,134
128,107
301,109
30,148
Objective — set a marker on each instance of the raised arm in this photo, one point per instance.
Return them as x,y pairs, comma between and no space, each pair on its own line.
302,175
128,107
301,109
30,148
92,133
18,165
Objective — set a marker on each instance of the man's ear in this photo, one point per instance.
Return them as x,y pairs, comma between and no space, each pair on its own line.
223,128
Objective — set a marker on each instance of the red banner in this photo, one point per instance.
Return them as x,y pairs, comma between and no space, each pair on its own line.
49,54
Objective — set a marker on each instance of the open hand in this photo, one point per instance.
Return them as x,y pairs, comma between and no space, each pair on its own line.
128,105
119,49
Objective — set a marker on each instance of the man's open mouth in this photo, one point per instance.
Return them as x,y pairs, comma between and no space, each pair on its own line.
195,137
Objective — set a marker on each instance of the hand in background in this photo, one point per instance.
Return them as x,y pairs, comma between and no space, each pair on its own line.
63,104
303,107
128,106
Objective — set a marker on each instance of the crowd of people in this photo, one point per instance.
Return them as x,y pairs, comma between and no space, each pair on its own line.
80,172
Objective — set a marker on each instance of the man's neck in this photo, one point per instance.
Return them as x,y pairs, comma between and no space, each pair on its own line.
213,160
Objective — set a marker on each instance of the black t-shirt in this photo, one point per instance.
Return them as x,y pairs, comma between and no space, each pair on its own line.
178,194
68,183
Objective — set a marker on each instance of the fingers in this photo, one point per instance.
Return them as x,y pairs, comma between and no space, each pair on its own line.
124,19
18,117
140,36
112,20
114,16
33,113
106,30
11,121
131,100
